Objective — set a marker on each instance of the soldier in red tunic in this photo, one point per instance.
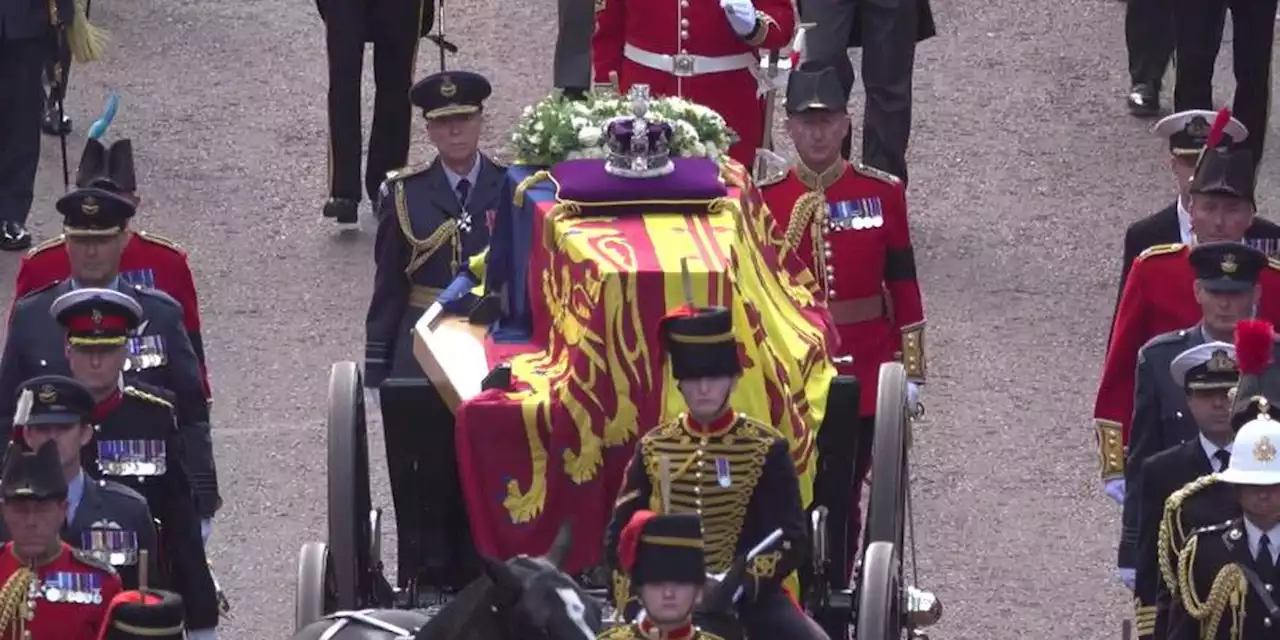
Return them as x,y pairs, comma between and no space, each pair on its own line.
848,223
50,590
705,51
148,259
1159,295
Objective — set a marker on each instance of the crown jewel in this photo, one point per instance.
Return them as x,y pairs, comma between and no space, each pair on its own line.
638,147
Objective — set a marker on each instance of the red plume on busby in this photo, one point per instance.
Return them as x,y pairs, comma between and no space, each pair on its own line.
1254,340
629,541
1219,126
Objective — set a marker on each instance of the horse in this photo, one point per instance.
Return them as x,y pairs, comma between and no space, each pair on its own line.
525,598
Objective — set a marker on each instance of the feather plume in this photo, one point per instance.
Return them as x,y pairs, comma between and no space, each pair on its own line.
23,412
85,40
1254,344
1219,126
629,541
100,125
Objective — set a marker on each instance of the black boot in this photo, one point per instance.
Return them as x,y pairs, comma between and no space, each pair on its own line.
343,210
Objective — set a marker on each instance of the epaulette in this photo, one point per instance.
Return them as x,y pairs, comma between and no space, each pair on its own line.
157,294
872,172
111,486
1212,528
767,430
1170,337
1161,250
46,245
405,172
158,239
620,632
40,289
83,557
150,395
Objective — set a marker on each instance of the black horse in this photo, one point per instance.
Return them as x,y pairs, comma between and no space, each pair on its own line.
526,598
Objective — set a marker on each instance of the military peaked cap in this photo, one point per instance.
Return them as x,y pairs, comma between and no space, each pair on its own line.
93,211
97,316
701,343
815,86
1211,365
1226,267
1188,131
33,475
53,400
145,614
451,93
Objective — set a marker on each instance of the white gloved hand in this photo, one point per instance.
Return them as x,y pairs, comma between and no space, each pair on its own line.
1115,489
1127,576
202,634
741,15
913,396
206,529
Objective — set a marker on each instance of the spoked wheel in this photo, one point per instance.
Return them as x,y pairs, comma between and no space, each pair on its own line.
880,596
350,505
887,504
314,595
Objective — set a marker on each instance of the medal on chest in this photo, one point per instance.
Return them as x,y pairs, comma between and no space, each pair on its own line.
140,458
72,588
858,214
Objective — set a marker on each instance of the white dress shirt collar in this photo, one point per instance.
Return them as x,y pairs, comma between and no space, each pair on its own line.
1210,449
1184,225
1254,533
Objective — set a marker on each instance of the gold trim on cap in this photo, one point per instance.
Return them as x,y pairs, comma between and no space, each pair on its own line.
85,232
684,338
450,110
114,341
673,541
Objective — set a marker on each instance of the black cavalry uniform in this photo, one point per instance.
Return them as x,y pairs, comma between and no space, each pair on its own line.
662,549
144,615
887,31
161,355
1198,34
735,472
433,224
25,39
394,28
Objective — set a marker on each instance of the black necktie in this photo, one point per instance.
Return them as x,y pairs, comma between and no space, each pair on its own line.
1265,563
1223,457
464,190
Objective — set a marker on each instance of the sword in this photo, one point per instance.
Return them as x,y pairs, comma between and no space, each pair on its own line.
59,84
224,605
438,37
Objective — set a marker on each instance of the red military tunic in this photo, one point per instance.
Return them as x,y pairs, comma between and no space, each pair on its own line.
1158,297
73,592
633,37
149,260
859,215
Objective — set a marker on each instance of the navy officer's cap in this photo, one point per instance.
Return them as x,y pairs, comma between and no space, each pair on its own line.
33,475
1227,267
1211,365
92,211
1188,131
450,93
53,400
94,317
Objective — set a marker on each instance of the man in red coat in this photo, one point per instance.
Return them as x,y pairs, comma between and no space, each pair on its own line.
50,590
1159,296
705,51
848,222
148,260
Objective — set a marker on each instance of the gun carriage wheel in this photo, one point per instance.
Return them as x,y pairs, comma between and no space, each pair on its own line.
354,526
887,505
314,595
880,594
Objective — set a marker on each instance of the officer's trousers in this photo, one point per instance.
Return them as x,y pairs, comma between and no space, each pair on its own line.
393,27
21,63
1198,26
1148,34
774,615
572,68
889,31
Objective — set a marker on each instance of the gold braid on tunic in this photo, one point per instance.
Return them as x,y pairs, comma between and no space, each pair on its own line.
810,213
424,249
1229,588
16,604
1171,524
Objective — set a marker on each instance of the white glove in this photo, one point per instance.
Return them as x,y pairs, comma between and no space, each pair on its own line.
202,634
913,395
206,528
741,15
1127,576
1115,489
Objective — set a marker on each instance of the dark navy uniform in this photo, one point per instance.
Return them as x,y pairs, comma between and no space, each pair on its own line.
145,615
1225,548
735,472
665,549
161,354
393,26
434,225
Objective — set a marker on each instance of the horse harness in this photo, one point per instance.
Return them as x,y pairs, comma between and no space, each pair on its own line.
350,618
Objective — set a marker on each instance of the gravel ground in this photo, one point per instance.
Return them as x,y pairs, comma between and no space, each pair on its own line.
1025,169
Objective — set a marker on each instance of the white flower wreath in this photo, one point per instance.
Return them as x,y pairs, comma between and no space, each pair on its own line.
557,129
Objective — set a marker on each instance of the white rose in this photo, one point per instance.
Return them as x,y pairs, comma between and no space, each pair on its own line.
528,111
578,123
589,136
699,150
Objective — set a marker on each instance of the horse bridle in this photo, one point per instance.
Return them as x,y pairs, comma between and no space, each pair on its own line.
347,618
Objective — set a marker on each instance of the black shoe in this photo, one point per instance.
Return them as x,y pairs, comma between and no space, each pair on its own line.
52,125
344,210
573,93
14,237
1144,101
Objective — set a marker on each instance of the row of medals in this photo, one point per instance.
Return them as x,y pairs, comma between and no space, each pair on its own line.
73,588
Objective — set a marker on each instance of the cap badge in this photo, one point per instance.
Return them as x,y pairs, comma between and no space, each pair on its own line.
447,88
1229,264
1198,127
90,206
48,395
96,316
1221,362
1264,451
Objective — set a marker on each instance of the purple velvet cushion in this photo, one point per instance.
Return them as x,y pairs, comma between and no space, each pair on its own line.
693,185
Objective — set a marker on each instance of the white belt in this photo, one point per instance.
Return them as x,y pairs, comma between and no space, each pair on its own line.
685,65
